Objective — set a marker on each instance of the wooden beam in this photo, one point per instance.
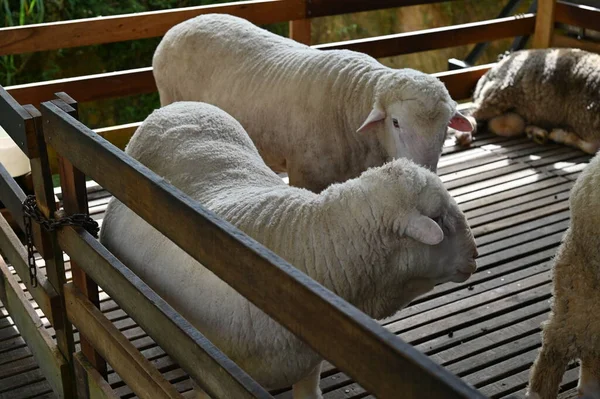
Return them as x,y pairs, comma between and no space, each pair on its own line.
90,384
321,8
300,31
559,40
544,24
118,28
462,82
12,196
234,257
44,294
578,15
17,123
40,342
214,372
431,39
137,371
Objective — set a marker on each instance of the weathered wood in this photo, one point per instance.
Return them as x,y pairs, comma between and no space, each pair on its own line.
125,359
45,351
215,373
559,40
436,38
74,197
234,257
461,83
320,8
12,196
48,247
17,123
300,31
577,15
90,384
88,31
544,24
44,294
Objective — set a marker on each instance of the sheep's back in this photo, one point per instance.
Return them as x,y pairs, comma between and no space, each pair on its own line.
585,209
550,88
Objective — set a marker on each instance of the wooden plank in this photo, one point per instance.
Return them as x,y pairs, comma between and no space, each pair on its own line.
233,256
321,8
578,15
89,31
461,83
126,360
559,40
437,38
44,293
45,351
17,123
215,373
74,198
12,196
300,31
90,384
544,24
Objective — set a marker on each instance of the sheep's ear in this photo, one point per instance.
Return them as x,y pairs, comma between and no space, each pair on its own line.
424,229
377,114
461,123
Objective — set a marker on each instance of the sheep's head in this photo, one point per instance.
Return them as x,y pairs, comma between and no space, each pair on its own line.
411,114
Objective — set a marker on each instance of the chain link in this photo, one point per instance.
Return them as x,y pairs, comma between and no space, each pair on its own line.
32,212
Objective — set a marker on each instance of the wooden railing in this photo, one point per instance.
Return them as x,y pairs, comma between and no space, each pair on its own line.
84,153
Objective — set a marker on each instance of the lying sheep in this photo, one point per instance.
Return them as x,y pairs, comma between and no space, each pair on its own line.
378,241
548,93
322,116
573,330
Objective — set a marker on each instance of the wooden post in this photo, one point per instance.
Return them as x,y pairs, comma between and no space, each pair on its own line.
74,197
47,244
544,24
300,31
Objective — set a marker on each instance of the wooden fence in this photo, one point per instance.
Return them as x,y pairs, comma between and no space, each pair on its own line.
81,152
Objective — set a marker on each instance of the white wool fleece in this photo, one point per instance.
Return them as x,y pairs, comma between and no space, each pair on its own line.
353,238
302,107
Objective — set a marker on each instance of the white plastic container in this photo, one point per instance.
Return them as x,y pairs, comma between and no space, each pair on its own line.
11,156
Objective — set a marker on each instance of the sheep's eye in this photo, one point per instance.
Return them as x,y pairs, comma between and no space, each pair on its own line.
395,122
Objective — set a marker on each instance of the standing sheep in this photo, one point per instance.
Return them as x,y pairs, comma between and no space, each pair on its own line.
378,240
322,116
573,330
548,93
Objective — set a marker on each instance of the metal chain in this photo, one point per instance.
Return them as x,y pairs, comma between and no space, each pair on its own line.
31,212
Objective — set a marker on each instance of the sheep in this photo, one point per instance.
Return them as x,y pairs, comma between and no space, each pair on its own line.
573,328
546,93
378,240
322,116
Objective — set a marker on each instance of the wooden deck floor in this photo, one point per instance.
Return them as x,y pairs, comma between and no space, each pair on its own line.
515,194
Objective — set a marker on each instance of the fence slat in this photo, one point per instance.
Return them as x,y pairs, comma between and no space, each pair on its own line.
12,196
578,15
137,371
17,123
44,294
321,8
300,31
437,38
559,40
462,82
544,24
235,257
31,327
88,31
90,384
213,371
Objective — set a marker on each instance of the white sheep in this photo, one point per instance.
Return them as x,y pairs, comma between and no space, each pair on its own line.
573,329
322,116
547,93
378,241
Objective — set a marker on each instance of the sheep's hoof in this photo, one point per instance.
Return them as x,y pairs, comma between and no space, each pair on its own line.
539,136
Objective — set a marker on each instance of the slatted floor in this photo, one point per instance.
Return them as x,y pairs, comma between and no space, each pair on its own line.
515,194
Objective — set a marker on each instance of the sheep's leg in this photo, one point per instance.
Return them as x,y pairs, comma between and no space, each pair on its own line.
508,125
573,140
589,378
537,134
550,365
196,392
308,387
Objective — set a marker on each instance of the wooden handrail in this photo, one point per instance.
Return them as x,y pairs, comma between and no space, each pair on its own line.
577,15
234,257
322,8
437,38
118,28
